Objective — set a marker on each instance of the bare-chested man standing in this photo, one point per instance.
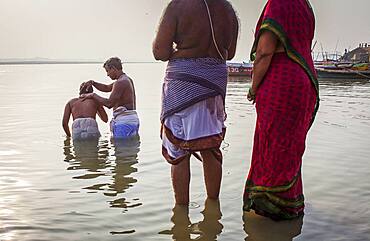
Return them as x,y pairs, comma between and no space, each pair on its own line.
84,125
125,122
196,37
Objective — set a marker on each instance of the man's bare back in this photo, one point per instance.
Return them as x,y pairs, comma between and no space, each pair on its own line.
79,109
83,108
186,23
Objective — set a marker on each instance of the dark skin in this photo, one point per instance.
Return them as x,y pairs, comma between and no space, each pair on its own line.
268,45
185,32
185,23
122,91
82,109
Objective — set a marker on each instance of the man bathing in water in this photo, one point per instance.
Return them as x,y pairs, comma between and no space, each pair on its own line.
125,122
83,112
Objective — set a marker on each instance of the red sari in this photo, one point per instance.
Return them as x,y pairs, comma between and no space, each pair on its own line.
286,104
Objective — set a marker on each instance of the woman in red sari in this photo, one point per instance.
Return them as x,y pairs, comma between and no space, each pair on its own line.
285,91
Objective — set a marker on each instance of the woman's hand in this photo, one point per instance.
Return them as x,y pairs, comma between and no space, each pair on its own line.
251,96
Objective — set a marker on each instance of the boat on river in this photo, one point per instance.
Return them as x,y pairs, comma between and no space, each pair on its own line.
240,69
343,71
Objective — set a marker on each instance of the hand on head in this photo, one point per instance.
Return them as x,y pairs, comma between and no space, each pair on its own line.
87,83
86,96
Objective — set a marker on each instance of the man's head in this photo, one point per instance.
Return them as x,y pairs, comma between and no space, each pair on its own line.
85,89
113,67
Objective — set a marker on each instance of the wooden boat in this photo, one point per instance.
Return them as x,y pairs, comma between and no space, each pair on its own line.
240,69
342,74
343,71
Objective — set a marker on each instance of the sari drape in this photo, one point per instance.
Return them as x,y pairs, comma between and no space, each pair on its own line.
286,103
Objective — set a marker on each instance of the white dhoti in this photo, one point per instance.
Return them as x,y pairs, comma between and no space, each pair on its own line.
196,128
125,123
85,129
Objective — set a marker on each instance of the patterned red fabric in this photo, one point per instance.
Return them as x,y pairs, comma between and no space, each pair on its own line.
297,20
285,103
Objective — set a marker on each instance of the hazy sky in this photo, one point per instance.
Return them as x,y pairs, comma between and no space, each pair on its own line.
97,29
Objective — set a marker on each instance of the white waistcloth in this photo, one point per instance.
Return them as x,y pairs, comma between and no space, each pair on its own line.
84,129
203,119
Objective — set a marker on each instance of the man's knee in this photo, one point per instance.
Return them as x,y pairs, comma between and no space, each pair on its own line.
214,153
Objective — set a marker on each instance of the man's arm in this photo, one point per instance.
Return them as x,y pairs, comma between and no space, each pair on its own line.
66,116
266,47
232,49
99,86
118,88
163,43
102,114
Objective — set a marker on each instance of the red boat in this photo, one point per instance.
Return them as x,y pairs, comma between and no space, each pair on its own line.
240,69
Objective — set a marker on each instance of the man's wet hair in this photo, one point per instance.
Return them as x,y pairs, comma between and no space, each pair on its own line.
113,62
85,89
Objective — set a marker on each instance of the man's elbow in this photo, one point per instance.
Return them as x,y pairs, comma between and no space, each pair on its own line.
109,104
161,57
160,54
231,55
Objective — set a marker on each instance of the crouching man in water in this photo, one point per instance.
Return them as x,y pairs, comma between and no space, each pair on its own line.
125,121
84,125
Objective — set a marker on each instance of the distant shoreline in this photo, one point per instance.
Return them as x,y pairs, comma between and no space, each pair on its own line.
66,62
47,62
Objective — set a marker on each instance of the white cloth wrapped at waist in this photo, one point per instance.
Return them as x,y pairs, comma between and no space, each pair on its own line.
203,119
85,128
125,123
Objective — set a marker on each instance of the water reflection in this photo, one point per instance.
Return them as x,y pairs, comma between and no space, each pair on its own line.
126,154
87,155
207,229
104,159
239,79
260,228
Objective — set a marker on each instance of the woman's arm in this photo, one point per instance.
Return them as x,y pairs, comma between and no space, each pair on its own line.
163,42
266,48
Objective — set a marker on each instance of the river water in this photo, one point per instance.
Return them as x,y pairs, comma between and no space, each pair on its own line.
53,189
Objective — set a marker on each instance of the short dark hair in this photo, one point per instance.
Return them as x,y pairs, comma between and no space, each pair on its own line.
113,62
85,89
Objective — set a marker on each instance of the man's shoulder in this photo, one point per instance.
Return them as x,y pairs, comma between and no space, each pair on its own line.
124,79
228,5
73,100
176,5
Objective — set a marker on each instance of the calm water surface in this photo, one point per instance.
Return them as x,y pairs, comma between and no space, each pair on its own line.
54,189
